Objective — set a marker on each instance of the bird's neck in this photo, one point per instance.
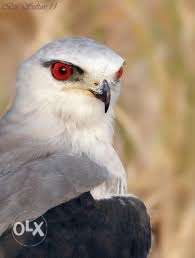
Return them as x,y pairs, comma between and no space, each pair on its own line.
44,130
24,141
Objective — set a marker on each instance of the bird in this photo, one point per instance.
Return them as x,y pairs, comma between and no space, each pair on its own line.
56,141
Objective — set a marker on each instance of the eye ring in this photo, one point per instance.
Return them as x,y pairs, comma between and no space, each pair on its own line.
61,71
119,73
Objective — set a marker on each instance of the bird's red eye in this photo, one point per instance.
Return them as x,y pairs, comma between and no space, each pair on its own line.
62,71
119,73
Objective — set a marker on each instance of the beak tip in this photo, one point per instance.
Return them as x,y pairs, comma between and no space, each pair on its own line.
106,109
106,95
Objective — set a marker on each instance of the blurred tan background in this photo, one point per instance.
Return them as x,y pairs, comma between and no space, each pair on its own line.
155,131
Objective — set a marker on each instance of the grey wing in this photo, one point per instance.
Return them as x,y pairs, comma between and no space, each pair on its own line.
42,184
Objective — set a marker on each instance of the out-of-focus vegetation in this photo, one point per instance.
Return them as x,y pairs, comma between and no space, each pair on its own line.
156,112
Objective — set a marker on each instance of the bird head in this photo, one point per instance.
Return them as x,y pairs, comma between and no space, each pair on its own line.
75,79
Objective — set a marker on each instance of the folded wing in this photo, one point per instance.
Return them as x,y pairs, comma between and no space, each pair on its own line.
44,183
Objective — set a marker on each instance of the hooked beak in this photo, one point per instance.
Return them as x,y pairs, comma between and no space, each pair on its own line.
104,94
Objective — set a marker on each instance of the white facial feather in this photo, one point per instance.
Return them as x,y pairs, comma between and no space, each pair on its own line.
45,97
95,58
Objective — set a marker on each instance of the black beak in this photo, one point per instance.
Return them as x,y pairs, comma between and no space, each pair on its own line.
104,94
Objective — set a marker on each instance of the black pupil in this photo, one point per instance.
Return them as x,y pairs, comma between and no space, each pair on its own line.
63,70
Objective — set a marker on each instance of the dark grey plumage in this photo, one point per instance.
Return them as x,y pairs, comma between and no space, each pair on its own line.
84,228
